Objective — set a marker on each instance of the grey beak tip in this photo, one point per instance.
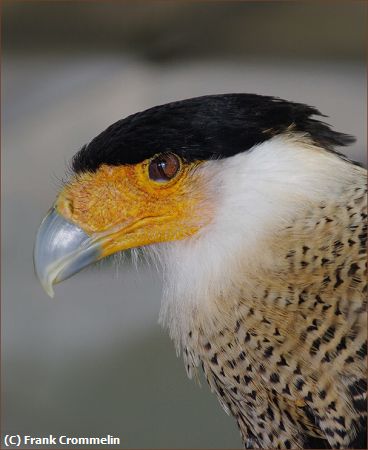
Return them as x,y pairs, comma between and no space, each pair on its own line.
61,250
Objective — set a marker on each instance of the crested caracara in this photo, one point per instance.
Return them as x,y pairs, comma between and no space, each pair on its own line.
260,227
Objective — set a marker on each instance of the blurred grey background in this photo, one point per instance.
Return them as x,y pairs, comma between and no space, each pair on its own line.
93,359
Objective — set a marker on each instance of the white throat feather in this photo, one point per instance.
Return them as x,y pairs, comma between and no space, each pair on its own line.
255,194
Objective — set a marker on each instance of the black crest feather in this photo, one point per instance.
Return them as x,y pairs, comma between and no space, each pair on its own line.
202,128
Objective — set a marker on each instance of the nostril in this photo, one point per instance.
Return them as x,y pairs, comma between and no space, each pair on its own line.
65,206
70,206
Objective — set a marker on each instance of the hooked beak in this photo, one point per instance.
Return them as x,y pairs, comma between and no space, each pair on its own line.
61,250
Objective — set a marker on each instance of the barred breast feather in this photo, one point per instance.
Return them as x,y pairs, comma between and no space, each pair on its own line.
288,357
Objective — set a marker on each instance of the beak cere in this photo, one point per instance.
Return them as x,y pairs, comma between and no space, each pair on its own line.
111,210
61,250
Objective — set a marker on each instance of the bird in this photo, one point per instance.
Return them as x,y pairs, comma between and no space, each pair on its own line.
259,225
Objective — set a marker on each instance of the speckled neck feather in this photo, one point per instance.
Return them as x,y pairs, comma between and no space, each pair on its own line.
274,310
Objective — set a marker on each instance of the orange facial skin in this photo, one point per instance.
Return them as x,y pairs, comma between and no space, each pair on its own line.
121,207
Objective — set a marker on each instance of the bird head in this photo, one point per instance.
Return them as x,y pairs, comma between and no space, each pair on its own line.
162,176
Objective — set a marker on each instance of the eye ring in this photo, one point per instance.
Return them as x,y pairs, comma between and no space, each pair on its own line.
164,167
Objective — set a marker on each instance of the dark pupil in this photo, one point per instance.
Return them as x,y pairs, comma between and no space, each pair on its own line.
163,168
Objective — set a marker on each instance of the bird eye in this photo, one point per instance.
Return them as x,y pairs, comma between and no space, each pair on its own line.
164,167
